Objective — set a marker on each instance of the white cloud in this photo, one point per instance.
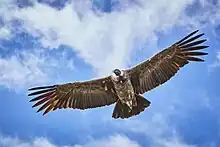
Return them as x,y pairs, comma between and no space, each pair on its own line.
216,63
173,142
16,142
5,33
112,141
152,127
107,40
207,14
116,140
18,72
27,68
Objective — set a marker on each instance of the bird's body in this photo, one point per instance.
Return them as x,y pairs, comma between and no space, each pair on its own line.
123,87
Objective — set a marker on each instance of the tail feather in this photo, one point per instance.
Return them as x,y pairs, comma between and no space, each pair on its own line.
122,110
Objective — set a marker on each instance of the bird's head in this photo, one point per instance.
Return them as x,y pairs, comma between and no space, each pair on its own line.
117,72
118,75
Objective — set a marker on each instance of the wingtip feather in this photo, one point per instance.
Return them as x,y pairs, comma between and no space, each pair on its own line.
194,48
190,39
41,92
195,53
186,37
32,100
41,87
47,111
195,59
39,110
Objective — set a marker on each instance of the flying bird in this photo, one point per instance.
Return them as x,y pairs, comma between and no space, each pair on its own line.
124,86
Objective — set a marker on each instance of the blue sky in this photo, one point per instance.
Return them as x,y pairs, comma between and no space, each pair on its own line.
51,41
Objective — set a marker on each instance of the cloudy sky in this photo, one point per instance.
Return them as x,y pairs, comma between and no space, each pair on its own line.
54,41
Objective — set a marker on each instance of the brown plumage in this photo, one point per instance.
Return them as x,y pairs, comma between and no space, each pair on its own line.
77,95
137,80
166,63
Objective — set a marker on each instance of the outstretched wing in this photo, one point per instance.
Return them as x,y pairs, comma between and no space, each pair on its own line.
77,95
166,63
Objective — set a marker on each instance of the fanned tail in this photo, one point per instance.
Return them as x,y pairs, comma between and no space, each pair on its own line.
122,110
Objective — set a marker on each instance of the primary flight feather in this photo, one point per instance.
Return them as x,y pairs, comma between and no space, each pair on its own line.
123,87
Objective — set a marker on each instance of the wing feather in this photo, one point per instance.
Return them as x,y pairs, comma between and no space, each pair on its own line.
167,63
76,95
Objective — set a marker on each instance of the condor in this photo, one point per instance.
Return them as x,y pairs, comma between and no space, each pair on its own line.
123,87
